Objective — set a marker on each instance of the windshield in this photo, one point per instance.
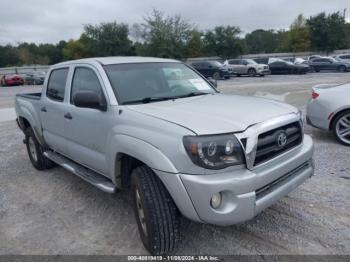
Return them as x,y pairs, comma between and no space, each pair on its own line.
251,61
140,82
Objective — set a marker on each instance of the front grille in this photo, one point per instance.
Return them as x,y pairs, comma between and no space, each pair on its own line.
269,147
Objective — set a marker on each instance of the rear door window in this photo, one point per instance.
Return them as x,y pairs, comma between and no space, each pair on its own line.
57,84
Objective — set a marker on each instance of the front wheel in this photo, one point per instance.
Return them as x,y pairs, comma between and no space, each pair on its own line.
251,72
341,69
36,151
156,214
341,128
216,75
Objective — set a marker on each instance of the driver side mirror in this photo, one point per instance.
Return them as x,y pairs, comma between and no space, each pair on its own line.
89,99
213,82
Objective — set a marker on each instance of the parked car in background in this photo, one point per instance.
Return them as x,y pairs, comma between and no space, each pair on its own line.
329,110
36,78
342,57
212,69
328,63
247,67
279,66
313,57
12,80
296,60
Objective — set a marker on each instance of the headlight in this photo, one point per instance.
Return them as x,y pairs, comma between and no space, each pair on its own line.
214,152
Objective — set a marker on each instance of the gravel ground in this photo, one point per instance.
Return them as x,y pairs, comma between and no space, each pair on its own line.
54,212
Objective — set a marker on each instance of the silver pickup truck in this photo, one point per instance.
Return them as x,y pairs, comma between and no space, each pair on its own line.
157,127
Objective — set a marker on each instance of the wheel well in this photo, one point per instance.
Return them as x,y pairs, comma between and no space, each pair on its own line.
124,166
24,123
335,116
250,68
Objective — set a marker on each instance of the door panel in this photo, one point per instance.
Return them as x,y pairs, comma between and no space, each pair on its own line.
88,132
88,129
52,111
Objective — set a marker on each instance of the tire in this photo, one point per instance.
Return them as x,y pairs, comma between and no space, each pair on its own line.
216,75
317,70
341,69
335,128
35,151
251,72
156,214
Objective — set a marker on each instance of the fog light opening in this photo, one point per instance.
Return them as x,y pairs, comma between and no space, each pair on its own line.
216,200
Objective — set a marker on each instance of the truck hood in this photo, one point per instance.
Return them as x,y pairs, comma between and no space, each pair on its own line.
216,113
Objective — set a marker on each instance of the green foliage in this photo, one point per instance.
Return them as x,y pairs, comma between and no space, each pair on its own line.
263,41
223,41
195,45
107,39
327,32
166,36
298,37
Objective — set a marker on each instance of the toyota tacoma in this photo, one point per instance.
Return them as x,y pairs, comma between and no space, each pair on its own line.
158,128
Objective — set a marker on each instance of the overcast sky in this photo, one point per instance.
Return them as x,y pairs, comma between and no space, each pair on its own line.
53,20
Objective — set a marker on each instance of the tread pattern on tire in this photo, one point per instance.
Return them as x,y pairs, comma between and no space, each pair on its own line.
162,210
43,162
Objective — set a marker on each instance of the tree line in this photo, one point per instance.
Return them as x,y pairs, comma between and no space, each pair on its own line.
173,37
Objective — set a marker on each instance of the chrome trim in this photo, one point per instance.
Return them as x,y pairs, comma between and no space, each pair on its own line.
252,133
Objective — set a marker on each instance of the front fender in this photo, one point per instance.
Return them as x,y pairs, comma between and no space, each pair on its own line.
139,149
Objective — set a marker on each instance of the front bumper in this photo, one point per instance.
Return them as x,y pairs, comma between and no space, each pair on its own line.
245,192
263,72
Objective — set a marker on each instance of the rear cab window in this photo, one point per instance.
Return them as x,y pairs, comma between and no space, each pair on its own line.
57,84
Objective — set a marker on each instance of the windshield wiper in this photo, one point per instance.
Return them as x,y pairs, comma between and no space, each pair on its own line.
197,93
147,100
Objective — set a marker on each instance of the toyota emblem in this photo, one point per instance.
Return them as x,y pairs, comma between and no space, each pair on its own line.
281,139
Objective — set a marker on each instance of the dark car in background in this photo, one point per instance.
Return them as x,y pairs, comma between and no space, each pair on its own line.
328,63
279,67
11,80
36,78
212,69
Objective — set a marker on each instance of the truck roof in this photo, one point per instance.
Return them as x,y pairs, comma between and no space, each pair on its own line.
119,60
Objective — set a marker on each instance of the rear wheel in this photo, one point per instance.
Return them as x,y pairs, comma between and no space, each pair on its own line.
156,214
36,151
341,127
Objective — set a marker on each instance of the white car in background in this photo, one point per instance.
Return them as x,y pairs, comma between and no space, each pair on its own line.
329,109
342,57
247,67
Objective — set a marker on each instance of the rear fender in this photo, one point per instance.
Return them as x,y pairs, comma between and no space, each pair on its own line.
33,119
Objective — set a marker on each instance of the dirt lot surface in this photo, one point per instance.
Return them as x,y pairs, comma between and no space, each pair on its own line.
54,212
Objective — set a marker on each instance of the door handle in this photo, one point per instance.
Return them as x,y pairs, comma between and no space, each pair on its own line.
43,109
68,116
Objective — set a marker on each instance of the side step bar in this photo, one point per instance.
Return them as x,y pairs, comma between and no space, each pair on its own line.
88,175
